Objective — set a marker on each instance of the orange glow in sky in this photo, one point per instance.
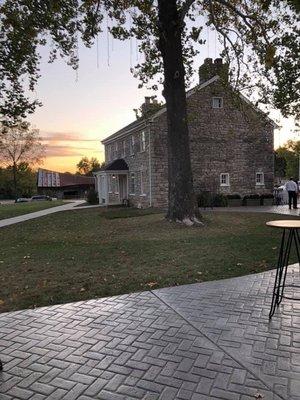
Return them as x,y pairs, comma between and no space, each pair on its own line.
79,110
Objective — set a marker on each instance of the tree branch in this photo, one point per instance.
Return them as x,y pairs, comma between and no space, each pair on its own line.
185,9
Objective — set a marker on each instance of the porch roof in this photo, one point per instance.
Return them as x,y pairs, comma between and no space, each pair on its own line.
117,165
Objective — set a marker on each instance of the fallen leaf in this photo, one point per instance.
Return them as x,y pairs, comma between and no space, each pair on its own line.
151,284
1,302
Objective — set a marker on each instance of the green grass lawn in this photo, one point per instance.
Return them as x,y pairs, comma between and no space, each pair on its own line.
84,254
15,209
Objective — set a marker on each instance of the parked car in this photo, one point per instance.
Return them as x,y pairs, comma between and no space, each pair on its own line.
22,200
41,197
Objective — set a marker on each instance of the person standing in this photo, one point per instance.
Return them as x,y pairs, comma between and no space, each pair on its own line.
295,201
292,189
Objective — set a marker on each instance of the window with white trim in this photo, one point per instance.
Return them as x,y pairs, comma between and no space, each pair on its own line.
109,153
259,179
143,141
142,183
131,145
124,148
116,150
224,179
132,183
217,102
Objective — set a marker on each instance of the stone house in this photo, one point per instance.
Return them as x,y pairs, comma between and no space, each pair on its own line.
231,146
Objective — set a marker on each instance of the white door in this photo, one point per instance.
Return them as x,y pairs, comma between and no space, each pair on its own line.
123,187
102,189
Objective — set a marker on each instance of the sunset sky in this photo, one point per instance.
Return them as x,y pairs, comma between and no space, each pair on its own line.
79,110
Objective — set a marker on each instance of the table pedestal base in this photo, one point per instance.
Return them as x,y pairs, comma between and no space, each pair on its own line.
282,265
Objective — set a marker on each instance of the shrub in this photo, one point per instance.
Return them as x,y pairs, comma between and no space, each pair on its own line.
233,196
250,197
92,197
204,199
220,200
208,199
267,196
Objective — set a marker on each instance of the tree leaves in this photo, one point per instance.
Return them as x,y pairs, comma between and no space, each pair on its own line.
260,41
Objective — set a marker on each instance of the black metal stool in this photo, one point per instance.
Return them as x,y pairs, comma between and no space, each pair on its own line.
289,235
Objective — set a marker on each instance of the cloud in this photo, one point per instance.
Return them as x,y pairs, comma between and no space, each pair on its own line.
56,144
67,151
65,137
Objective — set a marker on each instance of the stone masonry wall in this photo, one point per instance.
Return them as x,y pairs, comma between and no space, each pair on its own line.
233,139
138,163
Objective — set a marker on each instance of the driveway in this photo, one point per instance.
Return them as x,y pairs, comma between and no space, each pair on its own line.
203,341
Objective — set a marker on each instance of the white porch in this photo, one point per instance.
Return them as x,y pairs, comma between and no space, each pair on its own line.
112,183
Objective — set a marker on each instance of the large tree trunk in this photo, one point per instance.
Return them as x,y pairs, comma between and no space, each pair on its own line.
181,195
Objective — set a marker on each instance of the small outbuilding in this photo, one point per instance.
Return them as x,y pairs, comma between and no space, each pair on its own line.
63,185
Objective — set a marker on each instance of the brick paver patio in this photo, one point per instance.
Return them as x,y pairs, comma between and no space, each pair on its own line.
202,341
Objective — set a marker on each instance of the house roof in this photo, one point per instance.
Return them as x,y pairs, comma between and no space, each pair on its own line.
139,123
142,122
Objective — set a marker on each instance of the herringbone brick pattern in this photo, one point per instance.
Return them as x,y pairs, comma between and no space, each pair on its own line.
153,346
233,313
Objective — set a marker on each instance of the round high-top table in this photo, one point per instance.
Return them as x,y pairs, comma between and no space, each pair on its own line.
290,234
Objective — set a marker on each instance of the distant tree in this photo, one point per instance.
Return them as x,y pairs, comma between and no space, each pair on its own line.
20,148
287,159
26,181
279,164
87,166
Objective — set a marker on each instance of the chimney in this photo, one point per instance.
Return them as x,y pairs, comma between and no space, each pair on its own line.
149,106
146,105
209,69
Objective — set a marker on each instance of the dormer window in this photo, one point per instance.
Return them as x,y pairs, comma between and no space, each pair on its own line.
217,102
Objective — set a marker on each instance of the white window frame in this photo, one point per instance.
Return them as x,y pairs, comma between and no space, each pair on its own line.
143,142
124,148
132,176
108,153
142,183
262,181
131,145
227,180
220,100
116,151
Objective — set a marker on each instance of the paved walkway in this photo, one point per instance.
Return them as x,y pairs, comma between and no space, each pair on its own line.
263,209
41,213
202,341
